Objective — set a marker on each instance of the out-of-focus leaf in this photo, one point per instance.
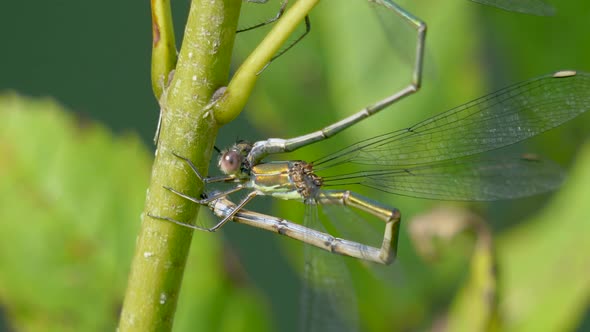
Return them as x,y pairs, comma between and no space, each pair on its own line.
542,269
475,305
544,264
70,199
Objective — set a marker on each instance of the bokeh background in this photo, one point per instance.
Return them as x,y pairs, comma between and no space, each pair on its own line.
77,116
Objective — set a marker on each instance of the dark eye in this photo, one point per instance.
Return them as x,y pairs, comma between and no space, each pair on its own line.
230,162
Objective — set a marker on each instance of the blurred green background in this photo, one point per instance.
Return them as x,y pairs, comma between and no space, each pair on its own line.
74,167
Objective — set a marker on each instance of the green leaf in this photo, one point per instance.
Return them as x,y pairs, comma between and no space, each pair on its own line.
71,195
544,263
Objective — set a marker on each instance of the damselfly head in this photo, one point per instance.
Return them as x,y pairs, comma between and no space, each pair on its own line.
233,160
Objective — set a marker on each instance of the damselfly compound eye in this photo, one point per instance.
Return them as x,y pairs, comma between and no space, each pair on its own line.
230,162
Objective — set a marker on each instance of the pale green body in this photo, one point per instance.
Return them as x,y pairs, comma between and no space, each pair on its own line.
274,179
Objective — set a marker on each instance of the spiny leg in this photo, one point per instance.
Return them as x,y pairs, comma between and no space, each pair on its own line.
205,200
205,179
215,197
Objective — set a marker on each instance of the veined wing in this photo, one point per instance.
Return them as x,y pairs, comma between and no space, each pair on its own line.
500,119
328,300
463,179
533,7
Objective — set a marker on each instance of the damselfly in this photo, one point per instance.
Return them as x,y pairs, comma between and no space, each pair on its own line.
438,158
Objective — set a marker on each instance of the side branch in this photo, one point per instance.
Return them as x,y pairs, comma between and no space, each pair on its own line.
163,45
234,98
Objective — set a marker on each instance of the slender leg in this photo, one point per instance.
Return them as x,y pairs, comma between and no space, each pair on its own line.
193,167
307,30
223,208
390,216
236,209
208,199
270,20
180,223
158,128
162,98
227,216
274,19
204,179
261,149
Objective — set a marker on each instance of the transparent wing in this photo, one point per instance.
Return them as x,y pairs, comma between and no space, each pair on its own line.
328,300
355,226
533,7
499,119
400,35
463,179
436,158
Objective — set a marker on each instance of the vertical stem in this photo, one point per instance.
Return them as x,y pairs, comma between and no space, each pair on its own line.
188,130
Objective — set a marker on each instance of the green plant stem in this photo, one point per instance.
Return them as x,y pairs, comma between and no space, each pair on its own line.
188,130
163,45
229,106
